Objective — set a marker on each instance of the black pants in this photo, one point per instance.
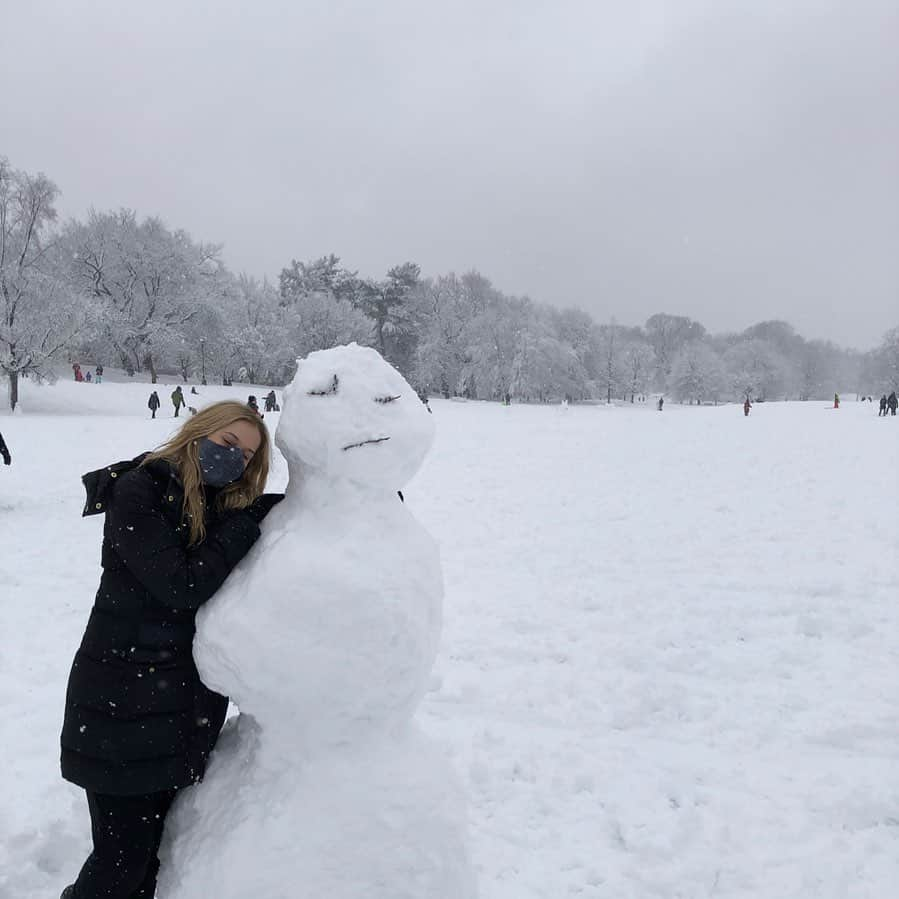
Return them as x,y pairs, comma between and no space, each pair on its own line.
127,831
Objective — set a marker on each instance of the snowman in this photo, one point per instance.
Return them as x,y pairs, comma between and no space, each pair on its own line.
324,636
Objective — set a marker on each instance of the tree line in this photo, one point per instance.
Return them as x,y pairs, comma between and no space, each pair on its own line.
123,291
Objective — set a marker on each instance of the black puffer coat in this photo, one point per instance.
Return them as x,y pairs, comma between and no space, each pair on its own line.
138,719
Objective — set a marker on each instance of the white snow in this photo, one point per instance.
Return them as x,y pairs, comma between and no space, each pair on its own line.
669,664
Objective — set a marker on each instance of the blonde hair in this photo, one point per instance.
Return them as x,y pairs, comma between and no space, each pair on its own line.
183,452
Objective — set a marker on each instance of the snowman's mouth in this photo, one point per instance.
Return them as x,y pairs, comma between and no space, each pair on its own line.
365,442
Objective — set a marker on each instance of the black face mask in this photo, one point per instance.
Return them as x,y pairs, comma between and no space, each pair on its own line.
220,465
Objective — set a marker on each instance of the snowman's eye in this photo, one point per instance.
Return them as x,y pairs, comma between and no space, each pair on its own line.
331,388
386,399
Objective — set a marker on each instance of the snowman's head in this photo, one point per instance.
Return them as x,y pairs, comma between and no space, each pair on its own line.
349,414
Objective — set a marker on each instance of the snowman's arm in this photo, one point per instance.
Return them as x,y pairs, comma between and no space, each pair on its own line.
152,550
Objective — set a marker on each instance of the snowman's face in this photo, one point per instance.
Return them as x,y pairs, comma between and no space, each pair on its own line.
349,414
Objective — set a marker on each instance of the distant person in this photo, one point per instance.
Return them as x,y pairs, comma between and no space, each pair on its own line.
892,402
836,401
178,399
4,452
661,403
193,390
99,374
254,405
88,377
883,406
746,406
153,403
271,401
76,368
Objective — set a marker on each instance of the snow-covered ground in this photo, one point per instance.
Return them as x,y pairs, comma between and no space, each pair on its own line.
670,664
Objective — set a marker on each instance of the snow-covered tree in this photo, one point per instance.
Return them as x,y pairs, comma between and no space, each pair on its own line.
789,345
443,343
254,345
149,281
391,306
213,334
449,308
39,313
697,374
488,369
667,334
515,351
574,327
324,275
325,321
611,372
756,369
816,364
637,365
780,334
888,354
543,367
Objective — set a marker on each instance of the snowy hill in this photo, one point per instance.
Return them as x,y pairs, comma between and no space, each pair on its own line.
669,658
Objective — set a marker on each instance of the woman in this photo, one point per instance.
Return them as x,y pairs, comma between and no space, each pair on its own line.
139,725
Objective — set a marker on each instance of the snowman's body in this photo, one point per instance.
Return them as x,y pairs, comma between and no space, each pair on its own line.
325,637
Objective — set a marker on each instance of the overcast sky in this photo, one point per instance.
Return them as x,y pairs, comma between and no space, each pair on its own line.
730,161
